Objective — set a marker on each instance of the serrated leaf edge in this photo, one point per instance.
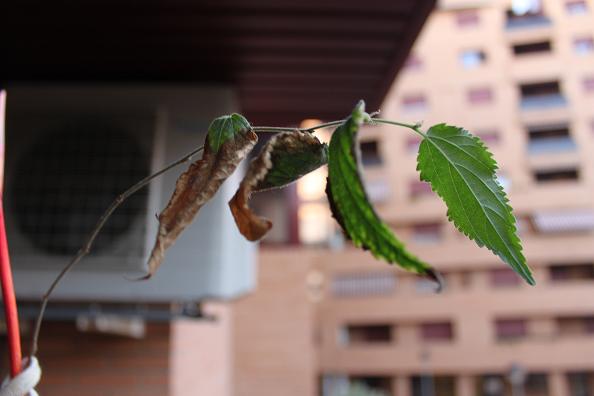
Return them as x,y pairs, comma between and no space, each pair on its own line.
515,240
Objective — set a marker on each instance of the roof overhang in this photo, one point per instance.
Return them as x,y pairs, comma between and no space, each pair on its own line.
289,60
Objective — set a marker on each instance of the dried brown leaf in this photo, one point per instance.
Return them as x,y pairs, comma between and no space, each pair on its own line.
285,158
195,187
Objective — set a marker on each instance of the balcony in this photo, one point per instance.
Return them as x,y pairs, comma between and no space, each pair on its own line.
564,221
528,20
541,95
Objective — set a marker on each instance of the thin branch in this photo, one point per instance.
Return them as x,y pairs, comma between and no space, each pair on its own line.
86,248
415,127
325,125
267,129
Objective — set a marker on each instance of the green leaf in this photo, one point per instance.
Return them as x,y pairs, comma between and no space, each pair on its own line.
462,172
350,204
224,128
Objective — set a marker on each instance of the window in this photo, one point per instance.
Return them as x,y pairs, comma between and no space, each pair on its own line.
548,131
414,102
315,225
525,7
480,95
492,385
370,153
526,14
361,334
363,284
588,84
539,89
576,7
575,325
428,233
436,331
510,329
556,175
583,45
560,273
439,385
503,277
370,385
467,18
541,95
471,59
537,384
419,189
532,48
580,383
550,138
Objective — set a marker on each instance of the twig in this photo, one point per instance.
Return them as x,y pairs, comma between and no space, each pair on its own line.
268,129
83,251
415,127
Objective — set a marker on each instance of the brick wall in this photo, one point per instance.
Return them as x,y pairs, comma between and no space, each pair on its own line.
77,363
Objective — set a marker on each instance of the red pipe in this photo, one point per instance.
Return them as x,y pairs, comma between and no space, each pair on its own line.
9,301
8,295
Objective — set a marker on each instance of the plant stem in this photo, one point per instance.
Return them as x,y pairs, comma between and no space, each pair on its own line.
267,129
83,251
324,125
415,127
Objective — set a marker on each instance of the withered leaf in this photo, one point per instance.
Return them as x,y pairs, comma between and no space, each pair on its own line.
196,186
284,159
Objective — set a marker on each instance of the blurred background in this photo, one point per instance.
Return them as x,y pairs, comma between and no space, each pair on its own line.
304,314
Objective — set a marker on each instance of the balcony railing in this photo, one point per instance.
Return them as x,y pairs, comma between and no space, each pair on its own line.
564,221
528,21
538,102
551,145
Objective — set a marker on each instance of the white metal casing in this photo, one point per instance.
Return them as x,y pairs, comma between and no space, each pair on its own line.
210,259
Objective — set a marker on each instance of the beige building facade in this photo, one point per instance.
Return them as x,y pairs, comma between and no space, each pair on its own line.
328,319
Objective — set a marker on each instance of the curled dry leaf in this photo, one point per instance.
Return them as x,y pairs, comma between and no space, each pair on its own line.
285,158
198,185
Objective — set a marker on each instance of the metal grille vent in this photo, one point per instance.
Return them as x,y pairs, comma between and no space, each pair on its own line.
68,177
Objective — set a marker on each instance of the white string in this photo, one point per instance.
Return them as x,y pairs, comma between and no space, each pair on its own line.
24,383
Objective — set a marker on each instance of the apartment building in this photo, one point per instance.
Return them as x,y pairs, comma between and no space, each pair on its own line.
329,319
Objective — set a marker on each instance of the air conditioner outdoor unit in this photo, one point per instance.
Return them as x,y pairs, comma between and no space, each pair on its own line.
71,150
